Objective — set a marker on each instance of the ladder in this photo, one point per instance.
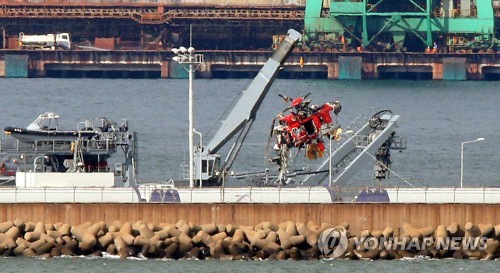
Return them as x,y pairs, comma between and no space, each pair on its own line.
357,150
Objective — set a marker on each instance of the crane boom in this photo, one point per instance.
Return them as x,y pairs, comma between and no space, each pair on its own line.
251,98
241,117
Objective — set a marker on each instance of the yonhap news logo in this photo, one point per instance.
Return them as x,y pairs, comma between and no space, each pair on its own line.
334,242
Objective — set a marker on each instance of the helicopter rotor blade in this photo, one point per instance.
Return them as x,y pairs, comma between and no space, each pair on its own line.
285,98
269,138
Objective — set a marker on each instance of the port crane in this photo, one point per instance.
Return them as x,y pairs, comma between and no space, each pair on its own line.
373,140
241,117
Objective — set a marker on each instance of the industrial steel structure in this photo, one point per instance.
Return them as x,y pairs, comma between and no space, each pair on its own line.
328,25
155,24
238,32
408,25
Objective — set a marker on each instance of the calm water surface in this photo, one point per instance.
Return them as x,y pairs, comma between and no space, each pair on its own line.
436,117
110,265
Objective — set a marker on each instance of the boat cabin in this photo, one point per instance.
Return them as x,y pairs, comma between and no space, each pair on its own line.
47,121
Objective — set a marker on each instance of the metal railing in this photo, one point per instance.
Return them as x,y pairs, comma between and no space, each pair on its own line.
9,145
398,142
320,195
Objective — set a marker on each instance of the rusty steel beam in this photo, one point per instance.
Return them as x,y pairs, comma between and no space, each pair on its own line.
235,13
78,12
151,14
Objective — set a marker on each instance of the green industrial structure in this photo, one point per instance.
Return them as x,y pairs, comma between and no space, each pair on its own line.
406,25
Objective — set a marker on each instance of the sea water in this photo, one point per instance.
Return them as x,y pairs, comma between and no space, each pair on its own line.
436,117
113,264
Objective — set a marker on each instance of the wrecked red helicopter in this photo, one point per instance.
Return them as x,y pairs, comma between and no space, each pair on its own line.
304,125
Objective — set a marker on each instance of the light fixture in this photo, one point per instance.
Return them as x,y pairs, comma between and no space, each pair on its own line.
186,57
462,158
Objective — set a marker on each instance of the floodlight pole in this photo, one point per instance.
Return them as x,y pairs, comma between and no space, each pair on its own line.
187,56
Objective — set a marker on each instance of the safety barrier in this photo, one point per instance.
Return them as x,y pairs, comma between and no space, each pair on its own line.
318,195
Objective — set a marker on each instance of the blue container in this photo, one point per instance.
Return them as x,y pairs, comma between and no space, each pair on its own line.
16,66
178,71
454,69
350,68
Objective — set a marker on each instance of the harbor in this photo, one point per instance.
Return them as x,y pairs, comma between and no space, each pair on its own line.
319,167
371,217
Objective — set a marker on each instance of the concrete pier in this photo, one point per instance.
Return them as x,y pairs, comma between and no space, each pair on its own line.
245,64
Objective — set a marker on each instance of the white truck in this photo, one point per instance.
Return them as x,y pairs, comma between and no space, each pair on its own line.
47,41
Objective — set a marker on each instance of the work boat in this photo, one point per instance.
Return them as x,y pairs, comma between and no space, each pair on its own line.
42,155
46,127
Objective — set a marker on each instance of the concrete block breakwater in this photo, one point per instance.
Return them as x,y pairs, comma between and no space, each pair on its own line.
266,240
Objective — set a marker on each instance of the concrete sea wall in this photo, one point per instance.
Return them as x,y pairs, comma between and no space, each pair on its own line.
359,216
251,231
